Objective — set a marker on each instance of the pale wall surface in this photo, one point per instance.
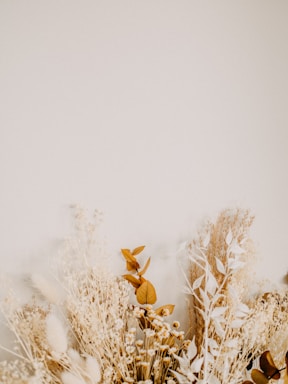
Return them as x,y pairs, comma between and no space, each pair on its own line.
159,113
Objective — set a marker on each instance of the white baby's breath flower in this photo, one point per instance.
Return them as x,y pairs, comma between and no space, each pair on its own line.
151,352
139,343
138,312
130,349
149,332
119,324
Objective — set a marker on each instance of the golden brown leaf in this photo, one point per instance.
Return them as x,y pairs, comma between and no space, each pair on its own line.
161,310
132,280
141,273
132,265
138,250
268,366
258,377
131,262
127,254
146,293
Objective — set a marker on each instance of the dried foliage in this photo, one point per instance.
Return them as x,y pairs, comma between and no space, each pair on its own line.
230,328
87,332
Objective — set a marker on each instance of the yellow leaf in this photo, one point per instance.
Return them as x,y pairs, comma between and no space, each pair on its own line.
132,280
146,293
145,267
131,262
127,254
259,377
162,310
138,250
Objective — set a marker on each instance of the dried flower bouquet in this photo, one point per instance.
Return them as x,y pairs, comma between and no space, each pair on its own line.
87,331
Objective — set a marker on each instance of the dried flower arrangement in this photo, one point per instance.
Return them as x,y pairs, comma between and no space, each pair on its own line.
87,331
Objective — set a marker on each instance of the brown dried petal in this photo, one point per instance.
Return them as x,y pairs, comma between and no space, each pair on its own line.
258,377
268,366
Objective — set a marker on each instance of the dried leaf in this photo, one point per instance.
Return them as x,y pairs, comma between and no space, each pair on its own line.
197,282
127,254
183,361
181,379
259,377
220,266
236,249
161,310
205,298
268,366
138,250
229,237
197,364
235,264
192,349
218,328
211,285
218,311
141,273
132,280
132,265
237,323
146,293
243,308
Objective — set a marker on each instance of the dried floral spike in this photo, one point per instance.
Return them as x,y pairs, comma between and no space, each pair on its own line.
258,377
161,311
268,366
146,293
138,250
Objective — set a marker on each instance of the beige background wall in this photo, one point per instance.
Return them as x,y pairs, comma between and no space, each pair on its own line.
158,113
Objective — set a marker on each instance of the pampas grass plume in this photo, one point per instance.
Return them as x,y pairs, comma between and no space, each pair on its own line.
45,287
56,334
69,378
74,356
93,369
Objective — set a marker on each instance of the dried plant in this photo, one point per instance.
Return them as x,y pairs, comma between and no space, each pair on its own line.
86,331
223,342
91,333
